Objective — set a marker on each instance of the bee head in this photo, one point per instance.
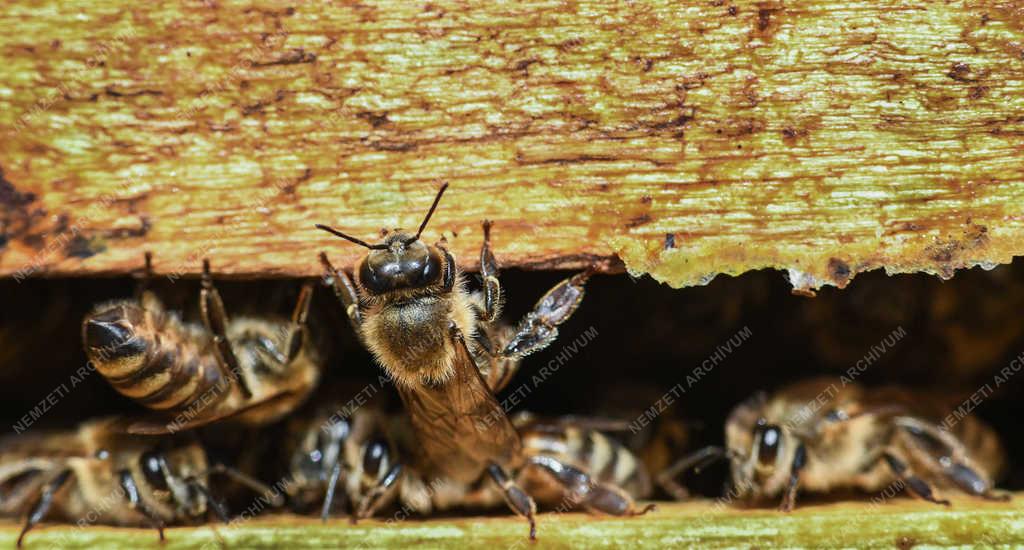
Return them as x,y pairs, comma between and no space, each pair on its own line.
761,460
377,471
405,264
320,449
761,450
401,262
170,476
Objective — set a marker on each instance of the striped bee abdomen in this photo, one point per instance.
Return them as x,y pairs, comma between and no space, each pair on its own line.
151,358
602,457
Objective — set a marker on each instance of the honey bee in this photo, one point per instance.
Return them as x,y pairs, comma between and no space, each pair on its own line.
446,351
822,435
254,370
355,450
97,474
570,463
567,464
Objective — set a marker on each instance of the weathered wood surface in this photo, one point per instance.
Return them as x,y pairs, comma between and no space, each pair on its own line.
690,138
897,524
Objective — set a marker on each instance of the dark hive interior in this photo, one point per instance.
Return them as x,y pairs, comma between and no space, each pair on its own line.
637,340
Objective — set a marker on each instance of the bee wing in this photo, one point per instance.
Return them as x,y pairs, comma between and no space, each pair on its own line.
161,424
460,425
929,438
55,445
21,480
932,406
29,460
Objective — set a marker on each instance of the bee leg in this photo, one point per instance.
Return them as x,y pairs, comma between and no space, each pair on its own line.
215,319
300,315
147,275
146,297
369,502
612,500
42,506
972,483
500,370
131,492
215,505
249,482
583,490
332,485
789,497
673,488
345,291
916,485
517,499
693,461
943,447
539,327
493,296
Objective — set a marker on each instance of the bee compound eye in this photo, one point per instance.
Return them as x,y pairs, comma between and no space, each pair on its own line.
768,445
371,280
152,465
431,270
374,455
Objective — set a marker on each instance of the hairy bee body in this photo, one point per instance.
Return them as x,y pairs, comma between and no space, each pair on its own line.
160,362
94,469
409,305
824,434
410,336
252,369
373,458
278,385
352,454
603,458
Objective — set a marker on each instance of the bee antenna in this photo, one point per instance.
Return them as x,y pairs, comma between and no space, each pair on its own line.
360,242
430,213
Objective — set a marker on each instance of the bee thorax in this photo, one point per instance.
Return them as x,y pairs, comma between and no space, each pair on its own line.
412,340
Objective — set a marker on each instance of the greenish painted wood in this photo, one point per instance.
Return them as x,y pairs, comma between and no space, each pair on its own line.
897,524
688,138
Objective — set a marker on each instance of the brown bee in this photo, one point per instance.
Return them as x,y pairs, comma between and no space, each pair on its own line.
567,464
354,450
97,474
445,350
571,463
827,434
254,370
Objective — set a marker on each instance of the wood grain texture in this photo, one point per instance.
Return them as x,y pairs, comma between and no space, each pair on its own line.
688,138
898,524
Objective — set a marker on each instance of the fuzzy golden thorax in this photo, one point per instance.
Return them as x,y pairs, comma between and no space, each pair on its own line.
410,335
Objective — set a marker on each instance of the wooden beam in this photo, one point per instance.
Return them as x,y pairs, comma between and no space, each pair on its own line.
900,523
688,138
